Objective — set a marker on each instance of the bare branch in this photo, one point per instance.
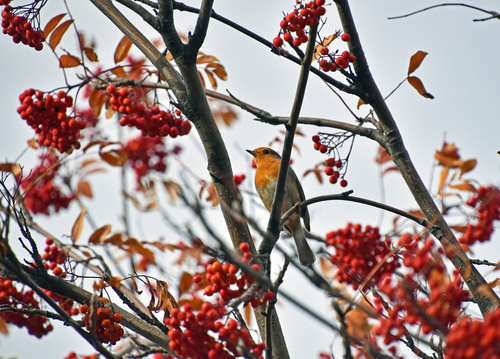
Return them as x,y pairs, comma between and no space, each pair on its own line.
490,12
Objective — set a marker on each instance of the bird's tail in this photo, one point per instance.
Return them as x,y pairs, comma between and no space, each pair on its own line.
306,255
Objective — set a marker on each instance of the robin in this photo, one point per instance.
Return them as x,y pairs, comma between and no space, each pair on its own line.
266,176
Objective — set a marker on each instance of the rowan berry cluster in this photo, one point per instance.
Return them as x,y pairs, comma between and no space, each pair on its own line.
46,114
194,334
487,204
230,282
305,14
54,257
405,303
107,327
331,61
335,167
36,325
474,338
334,174
151,121
20,28
44,195
357,252
146,154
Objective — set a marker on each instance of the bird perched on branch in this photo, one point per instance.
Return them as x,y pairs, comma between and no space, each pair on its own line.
266,177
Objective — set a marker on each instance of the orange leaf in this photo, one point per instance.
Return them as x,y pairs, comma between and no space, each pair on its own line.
51,25
212,195
196,303
13,168
326,41
416,60
76,231
382,156
99,234
360,103
122,49
114,157
33,144
173,189
96,101
83,188
166,301
66,61
3,327
467,166
218,70
117,239
119,71
464,186
90,53
203,59
58,33
115,281
419,86
442,178
185,282
247,314
212,79
357,324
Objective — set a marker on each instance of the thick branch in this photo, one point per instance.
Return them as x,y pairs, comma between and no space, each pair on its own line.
200,31
273,227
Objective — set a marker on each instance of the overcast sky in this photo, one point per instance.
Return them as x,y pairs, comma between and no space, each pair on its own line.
461,71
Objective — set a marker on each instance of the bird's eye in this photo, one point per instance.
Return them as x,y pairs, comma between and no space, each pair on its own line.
266,152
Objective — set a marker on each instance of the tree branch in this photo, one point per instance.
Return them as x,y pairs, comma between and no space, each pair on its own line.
485,297
200,31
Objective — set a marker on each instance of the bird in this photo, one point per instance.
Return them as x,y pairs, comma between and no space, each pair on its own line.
268,165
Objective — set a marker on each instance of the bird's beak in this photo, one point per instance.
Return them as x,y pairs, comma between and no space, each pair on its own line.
251,152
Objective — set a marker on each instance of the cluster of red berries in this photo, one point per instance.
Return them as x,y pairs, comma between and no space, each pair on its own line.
146,154
358,252
54,257
230,282
72,355
20,29
66,304
46,114
331,163
487,204
474,338
334,174
304,14
37,325
332,61
107,327
193,334
151,121
238,179
402,303
44,194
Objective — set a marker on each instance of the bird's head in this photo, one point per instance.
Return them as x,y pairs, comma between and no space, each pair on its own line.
263,153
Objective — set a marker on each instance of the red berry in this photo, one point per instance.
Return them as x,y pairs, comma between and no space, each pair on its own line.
315,138
343,183
288,37
278,42
323,148
324,51
346,37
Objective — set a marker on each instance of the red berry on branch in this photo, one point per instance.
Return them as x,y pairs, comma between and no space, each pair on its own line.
278,42
346,37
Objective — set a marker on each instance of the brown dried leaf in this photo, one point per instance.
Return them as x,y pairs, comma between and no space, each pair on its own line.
442,178
185,282
90,53
382,156
360,103
3,327
51,25
212,195
96,101
99,234
357,324
419,86
13,168
166,301
33,144
464,186
467,166
203,59
122,49
247,314
119,71
326,41
173,189
56,36
114,157
67,61
115,281
196,303
76,231
416,60
218,70
212,79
